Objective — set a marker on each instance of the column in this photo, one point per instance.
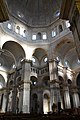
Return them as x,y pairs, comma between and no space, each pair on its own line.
54,83
4,102
14,94
20,98
76,101
40,101
66,90
0,99
26,66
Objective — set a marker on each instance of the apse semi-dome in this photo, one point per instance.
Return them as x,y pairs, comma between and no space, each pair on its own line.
35,13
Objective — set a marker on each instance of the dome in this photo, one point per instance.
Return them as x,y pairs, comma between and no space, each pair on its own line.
35,13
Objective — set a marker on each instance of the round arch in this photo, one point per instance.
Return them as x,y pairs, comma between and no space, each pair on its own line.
33,80
63,47
15,48
39,53
34,103
46,102
2,81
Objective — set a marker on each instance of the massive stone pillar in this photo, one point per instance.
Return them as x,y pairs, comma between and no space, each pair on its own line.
40,101
76,101
26,70
54,83
14,93
66,90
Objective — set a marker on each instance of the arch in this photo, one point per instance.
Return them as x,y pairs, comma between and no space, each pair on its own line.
15,48
2,81
39,37
46,103
44,60
34,103
34,80
60,28
7,59
39,53
63,47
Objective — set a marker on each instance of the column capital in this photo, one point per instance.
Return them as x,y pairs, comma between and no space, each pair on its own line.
53,59
74,89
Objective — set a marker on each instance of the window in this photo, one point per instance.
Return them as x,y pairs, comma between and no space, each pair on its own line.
53,33
39,35
33,59
17,29
78,61
57,13
45,59
34,37
67,64
60,28
24,33
9,26
67,24
57,58
44,36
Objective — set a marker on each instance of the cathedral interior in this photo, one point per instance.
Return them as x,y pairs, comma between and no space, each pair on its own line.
39,56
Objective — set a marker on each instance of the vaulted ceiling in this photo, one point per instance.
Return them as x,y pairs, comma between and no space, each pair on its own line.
35,12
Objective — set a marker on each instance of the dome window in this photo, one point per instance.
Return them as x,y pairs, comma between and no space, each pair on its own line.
17,29
9,26
45,59
67,24
34,37
44,36
57,13
53,33
39,36
60,28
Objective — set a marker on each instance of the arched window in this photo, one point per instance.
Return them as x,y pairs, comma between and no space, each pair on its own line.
60,28
67,24
9,26
44,36
18,29
46,104
53,33
33,80
34,37
45,59
24,33
39,36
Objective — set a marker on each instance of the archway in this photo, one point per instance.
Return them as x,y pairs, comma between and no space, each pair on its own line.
15,48
46,103
34,107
